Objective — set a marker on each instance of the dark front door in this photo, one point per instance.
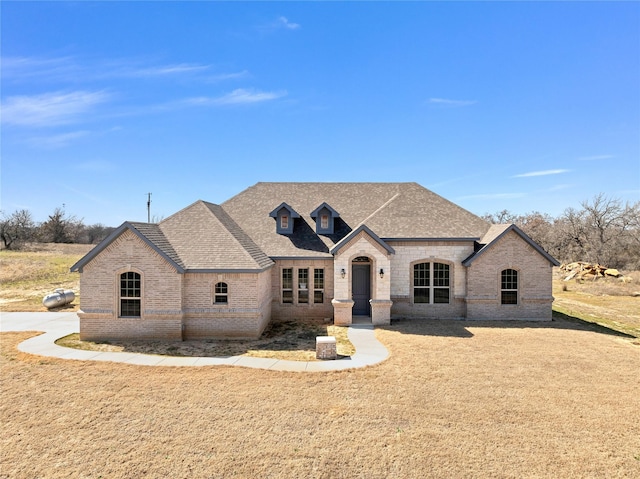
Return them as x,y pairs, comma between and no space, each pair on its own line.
361,288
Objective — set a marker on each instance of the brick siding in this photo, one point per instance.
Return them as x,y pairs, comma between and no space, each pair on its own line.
534,282
295,310
410,252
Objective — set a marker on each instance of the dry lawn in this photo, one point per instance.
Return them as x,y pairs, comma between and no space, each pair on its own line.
610,302
26,276
290,340
455,399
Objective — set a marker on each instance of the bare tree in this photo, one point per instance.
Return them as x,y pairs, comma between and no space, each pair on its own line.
16,228
603,230
60,228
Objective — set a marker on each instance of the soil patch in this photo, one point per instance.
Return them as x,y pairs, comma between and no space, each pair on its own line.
290,340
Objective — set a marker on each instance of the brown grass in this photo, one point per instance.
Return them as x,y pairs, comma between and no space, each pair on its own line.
455,399
290,340
610,302
26,276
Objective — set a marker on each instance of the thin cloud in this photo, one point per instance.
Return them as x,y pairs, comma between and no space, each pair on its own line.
449,102
72,70
280,23
25,68
596,158
58,141
239,96
541,173
228,76
283,22
164,70
50,109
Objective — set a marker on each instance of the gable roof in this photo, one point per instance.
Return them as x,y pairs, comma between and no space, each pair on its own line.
200,238
314,214
391,210
206,238
496,232
354,233
150,233
292,212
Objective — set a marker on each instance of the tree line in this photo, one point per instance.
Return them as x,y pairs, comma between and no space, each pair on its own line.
603,230
19,228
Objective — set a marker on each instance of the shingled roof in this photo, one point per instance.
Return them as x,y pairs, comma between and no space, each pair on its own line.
206,238
391,210
240,234
150,233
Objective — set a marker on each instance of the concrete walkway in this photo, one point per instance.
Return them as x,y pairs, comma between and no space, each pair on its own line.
369,350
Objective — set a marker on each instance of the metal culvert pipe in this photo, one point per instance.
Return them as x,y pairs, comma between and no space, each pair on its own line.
59,298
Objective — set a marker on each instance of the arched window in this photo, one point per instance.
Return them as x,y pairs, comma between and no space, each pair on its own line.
431,283
221,293
130,294
509,286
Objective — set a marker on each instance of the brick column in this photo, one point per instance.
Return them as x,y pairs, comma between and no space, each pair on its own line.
342,311
380,311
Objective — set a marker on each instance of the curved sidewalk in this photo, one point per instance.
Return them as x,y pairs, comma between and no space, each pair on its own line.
369,350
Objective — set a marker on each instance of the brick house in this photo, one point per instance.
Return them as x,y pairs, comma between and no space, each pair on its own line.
309,250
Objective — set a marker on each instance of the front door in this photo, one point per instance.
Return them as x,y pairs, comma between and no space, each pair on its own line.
361,288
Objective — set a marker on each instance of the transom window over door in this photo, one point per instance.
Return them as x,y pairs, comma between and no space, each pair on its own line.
130,295
509,286
431,283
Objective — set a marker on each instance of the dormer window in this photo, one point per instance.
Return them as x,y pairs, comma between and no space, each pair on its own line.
325,217
285,216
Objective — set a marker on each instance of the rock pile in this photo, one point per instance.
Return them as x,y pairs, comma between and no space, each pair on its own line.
583,270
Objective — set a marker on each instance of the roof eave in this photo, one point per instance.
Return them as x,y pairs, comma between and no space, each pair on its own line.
465,239
229,270
354,233
523,235
111,238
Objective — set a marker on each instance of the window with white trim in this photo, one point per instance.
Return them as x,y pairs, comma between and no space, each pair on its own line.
303,285
509,286
431,283
318,285
221,295
130,295
284,222
287,285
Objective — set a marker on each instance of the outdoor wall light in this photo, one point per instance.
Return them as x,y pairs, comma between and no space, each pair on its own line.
381,273
343,272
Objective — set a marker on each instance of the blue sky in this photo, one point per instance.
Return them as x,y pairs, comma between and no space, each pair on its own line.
506,105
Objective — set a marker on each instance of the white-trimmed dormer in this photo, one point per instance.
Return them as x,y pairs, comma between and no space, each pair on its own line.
325,216
285,216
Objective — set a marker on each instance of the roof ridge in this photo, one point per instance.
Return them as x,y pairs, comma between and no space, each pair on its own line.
250,248
384,205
